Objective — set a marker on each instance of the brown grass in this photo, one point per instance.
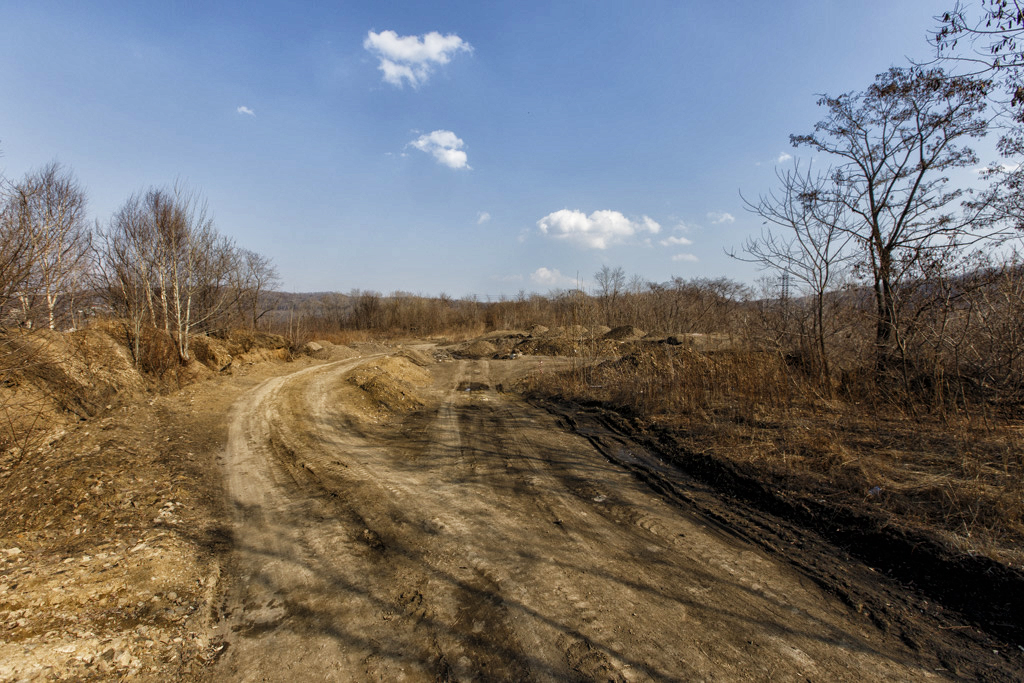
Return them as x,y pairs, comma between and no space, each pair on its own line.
959,478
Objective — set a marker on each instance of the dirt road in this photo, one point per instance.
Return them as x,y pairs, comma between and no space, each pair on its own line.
478,538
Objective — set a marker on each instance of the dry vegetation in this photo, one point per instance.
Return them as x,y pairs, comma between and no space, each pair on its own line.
958,477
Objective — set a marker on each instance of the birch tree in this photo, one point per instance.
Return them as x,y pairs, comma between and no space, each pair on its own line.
50,204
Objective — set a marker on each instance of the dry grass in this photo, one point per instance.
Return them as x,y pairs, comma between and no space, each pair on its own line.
958,478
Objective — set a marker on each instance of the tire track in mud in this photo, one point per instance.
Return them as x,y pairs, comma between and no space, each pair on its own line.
484,540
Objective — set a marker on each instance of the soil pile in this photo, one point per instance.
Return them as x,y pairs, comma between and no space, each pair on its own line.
501,335
211,352
226,350
624,333
322,349
416,356
52,378
392,384
476,350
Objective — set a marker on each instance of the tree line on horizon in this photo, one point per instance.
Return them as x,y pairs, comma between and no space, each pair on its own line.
887,267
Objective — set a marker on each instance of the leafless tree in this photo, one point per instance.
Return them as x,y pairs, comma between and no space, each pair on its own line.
257,279
610,284
163,260
892,145
807,242
126,258
15,255
50,205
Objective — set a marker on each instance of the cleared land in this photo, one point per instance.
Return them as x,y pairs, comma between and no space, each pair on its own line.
481,537
398,514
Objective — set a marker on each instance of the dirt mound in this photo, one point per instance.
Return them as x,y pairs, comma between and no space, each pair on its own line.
476,350
536,330
244,341
211,352
600,330
320,349
565,346
416,356
339,352
392,383
498,335
60,376
624,333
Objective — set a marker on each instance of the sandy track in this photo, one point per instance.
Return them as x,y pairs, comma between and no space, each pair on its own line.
481,540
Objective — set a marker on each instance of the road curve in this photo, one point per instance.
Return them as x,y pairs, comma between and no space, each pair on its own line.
480,540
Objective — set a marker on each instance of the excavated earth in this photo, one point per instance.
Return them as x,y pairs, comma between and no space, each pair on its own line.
392,517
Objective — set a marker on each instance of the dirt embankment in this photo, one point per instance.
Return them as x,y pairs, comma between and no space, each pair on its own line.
111,533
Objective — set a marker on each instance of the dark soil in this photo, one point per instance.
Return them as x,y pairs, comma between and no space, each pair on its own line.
966,610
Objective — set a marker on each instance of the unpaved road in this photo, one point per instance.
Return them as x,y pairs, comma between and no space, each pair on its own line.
479,539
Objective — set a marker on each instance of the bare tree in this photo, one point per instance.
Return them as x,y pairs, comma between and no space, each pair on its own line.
807,241
163,260
51,205
610,284
258,278
126,257
988,40
15,255
892,144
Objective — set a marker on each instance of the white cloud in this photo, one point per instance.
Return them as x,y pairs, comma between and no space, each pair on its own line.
482,217
676,242
550,277
998,168
445,146
599,230
246,111
717,218
412,58
690,258
783,158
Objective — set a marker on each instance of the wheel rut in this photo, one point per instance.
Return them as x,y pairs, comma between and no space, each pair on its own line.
479,539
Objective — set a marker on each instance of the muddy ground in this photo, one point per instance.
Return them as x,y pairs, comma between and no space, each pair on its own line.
399,518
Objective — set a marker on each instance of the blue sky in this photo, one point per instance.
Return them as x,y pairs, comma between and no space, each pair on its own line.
523,146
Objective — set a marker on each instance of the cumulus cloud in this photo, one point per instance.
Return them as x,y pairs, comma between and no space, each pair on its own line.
550,277
676,242
690,258
445,146
599,230
412,58
717,218
482,217
246,111
783,158
998,168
